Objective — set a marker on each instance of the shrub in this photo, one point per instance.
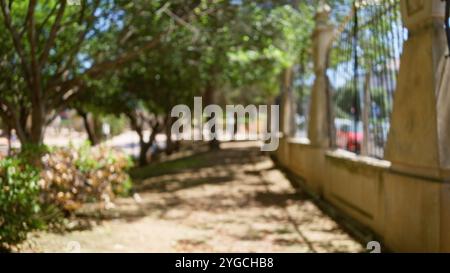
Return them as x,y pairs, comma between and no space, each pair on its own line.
32,198
19,201
71,177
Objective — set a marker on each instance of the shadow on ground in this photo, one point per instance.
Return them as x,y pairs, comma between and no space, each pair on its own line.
232,200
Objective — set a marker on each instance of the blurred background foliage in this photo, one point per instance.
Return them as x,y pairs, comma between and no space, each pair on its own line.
127,63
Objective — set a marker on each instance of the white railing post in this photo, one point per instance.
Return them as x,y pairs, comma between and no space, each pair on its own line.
287,104
419,138
319,131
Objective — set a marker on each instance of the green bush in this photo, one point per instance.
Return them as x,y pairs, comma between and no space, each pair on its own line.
65,179
71,177
19,201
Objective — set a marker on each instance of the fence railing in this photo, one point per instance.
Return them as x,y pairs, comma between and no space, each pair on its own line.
363,69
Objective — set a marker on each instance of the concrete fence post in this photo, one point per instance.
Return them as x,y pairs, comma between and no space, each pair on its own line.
416,190
419,138
287,104
319,131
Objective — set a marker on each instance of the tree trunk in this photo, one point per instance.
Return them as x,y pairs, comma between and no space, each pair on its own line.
169,141
137,126
38,115
8,137
208,96
235,125
144,147
89,127
37,131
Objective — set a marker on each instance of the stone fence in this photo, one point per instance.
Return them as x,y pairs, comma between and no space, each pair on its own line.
404,198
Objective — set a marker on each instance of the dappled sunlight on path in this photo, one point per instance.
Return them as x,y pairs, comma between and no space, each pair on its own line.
233,200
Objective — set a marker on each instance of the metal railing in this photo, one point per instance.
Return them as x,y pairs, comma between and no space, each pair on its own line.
363,69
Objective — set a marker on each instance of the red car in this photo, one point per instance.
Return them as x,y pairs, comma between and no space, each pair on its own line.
347,137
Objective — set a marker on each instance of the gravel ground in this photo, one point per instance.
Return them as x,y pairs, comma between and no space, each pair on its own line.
235,200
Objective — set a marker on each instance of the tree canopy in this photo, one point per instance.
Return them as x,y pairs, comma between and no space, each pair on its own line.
116,56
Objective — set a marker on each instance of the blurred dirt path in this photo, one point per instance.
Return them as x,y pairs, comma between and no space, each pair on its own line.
234,201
